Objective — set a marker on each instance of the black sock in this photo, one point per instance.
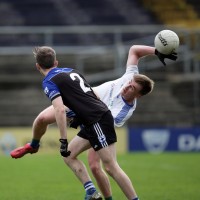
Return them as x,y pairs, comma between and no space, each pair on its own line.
109,198
35,143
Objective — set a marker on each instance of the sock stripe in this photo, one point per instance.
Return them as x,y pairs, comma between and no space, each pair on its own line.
89,187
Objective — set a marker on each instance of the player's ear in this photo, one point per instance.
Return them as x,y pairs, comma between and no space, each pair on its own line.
37,66
56,63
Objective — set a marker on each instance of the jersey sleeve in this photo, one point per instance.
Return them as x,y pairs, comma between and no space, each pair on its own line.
132,69
51,90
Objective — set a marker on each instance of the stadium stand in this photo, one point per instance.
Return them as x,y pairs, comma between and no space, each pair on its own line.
69,12
39,12
170,113
10,15
20,85
79,12
170,12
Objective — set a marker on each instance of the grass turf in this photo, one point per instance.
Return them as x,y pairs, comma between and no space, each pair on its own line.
168,176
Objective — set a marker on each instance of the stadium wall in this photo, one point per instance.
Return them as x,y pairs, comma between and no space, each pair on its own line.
130,139
160,139
13,137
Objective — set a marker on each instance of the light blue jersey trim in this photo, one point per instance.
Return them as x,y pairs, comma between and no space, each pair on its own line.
131,105
123,113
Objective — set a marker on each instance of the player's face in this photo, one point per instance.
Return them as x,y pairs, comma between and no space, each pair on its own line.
131,90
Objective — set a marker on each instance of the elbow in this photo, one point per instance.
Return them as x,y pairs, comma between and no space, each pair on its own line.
135,51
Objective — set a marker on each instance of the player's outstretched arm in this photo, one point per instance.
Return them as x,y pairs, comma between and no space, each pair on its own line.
138,51
60,115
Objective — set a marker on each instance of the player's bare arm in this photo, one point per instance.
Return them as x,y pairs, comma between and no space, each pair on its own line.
60,114
138,51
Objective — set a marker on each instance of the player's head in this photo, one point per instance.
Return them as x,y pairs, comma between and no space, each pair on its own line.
139,86
146,83
45,57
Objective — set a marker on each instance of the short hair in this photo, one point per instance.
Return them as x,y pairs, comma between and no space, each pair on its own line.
45,56
146,83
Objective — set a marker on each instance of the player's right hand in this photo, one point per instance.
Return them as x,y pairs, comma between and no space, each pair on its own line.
172,56
64,148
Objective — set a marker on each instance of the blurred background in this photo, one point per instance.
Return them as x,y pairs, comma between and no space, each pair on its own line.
94,37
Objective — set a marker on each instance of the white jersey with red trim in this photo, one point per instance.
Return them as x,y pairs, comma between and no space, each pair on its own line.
109,93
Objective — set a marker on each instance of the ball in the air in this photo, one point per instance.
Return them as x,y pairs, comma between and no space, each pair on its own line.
166,42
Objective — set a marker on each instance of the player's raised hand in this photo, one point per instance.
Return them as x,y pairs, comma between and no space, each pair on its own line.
172,56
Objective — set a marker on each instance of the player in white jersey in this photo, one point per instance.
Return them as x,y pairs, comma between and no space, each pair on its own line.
120,96
110,94
122,108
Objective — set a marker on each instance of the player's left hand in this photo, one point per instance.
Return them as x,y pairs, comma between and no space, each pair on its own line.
64,148
172,56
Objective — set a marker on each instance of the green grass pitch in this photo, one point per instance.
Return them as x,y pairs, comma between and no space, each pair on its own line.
167,176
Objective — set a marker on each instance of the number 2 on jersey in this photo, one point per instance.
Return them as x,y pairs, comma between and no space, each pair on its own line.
83,87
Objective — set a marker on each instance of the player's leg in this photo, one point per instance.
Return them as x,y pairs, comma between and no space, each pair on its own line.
99,174
76,146
41,122
39,128
103,142
108,157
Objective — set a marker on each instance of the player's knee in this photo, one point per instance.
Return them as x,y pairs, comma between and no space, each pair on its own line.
108,170
95,168
41,120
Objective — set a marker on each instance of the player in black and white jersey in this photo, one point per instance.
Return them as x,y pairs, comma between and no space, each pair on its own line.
76,93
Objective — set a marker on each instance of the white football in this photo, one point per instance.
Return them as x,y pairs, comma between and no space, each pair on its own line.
166,42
